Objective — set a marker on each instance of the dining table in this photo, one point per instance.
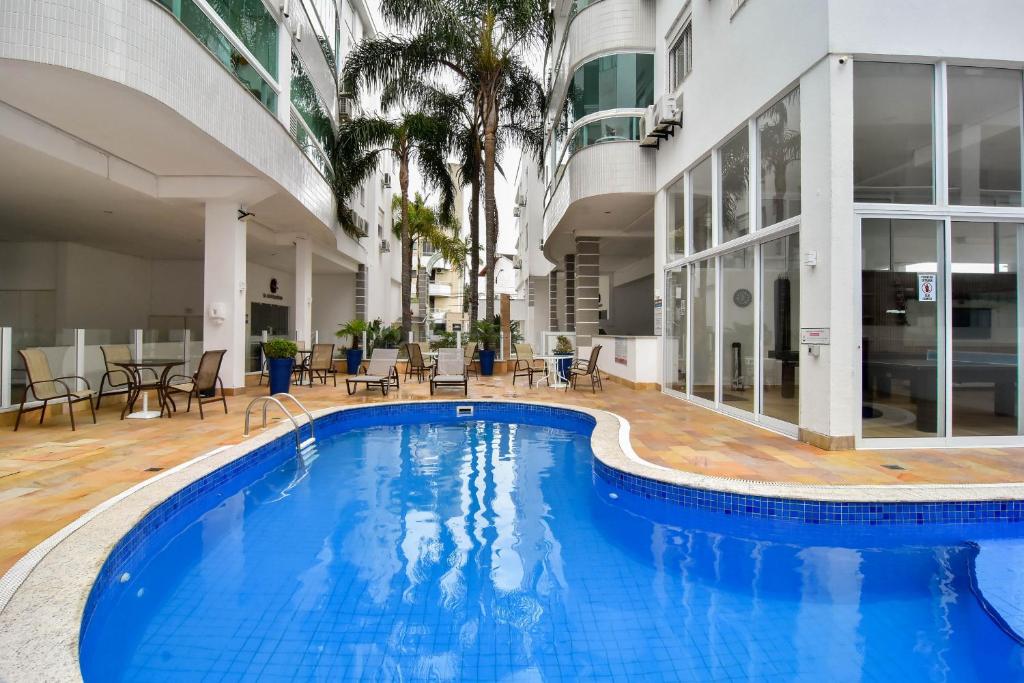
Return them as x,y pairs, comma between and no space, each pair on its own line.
161,369
553,379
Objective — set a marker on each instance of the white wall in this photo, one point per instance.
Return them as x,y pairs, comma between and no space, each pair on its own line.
334,303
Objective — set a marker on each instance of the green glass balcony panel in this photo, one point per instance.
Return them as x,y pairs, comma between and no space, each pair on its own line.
253,24
196,21
621,81
307,102
614,129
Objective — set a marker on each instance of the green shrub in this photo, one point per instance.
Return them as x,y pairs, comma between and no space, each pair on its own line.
562,345
280,348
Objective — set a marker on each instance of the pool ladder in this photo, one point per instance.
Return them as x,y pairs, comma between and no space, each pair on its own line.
266,401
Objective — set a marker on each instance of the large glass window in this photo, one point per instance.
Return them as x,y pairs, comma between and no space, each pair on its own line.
700,200
984,136
703,330
622,81
902,311
778,135
780,328
738,351
984,328
307,102
676,220
892,133
614,129
734,158
675,329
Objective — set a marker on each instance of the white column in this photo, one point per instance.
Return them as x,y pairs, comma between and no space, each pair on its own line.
303,291
224,289
284,72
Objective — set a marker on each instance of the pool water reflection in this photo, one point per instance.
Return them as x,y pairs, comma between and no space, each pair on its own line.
472,550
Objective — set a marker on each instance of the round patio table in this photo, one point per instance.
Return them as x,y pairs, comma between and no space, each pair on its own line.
137,386
553,379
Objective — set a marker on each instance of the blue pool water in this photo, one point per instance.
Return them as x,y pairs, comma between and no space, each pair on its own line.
486,550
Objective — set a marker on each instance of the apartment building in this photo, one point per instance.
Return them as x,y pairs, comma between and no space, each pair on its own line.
164,181
808,212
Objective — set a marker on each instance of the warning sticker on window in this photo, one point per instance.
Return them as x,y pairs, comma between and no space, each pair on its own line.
926,286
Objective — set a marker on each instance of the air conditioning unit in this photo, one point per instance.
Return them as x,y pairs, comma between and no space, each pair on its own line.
516,212
346,108
386,183
660,120
385,247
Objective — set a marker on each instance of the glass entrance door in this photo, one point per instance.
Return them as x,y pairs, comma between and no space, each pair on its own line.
902,311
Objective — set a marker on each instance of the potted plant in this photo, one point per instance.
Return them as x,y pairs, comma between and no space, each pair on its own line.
486,334
354,353
280,362
564,351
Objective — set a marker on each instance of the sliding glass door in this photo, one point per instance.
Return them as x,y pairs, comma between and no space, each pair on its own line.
675,329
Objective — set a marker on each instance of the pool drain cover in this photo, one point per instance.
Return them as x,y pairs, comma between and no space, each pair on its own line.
154,469
894,467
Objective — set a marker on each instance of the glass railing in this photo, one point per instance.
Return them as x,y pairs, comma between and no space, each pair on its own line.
79,352
256,29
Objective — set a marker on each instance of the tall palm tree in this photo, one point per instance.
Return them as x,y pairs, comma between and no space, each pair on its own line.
479,45
415,138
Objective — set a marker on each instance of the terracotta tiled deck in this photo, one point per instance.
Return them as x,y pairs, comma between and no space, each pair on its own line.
50,475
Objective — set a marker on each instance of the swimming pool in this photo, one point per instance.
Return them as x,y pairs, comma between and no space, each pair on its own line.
485,548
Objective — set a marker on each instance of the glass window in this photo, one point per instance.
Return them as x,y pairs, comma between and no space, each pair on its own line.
676,220
254,25
738,351
892,133
612,82
780,328
307,102
614,129
323,15
902,309
675,329
778,135
984,136
196,21
984,329
734,159
700,200
681,56
703,330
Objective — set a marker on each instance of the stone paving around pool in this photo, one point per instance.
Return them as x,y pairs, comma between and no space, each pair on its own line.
50,475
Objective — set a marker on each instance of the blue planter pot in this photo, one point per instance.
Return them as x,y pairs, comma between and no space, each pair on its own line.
486,361
353,357
564,363
280,374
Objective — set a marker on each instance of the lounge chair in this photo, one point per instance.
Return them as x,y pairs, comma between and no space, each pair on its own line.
381,372
471,359
116,377
417,364
526,364
45,387
587,369
450,371
321,364
201,386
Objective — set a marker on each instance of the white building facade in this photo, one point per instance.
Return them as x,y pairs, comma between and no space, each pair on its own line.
827,197
165,182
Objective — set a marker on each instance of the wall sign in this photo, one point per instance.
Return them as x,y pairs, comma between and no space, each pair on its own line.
657,317
926,286
621,351
815,336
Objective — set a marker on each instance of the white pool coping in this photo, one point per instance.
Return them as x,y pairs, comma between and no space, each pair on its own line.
43,596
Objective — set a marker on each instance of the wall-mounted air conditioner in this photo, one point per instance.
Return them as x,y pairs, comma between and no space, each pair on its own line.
385,247
346,108
284,8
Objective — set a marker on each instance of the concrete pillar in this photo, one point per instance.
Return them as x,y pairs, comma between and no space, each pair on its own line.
304,292
829,393
570,292
553,300
587,289
224,289
361,292
284,74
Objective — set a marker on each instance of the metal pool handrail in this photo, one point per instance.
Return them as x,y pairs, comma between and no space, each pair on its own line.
266,401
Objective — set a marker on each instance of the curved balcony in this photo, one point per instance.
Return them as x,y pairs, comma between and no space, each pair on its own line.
601,27
147,90
603,187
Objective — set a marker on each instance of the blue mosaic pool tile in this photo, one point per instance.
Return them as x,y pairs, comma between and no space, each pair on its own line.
812,512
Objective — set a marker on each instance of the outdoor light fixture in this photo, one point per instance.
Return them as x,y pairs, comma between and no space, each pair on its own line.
244,215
